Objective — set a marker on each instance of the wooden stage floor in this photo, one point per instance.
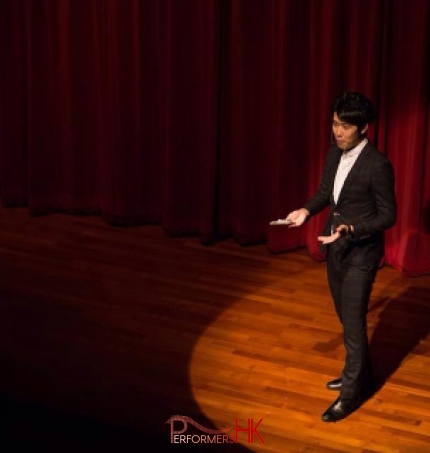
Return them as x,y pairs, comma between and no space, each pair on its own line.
106,333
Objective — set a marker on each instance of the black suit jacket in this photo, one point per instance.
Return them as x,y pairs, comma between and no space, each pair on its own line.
367,201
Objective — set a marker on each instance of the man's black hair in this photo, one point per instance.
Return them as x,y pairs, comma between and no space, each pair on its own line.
354,108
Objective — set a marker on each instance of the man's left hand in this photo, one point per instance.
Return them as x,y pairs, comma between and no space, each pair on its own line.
341,230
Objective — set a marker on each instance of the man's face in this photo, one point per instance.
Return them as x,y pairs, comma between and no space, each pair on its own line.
346,135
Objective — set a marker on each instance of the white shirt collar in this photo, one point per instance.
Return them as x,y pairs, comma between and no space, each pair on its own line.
356,150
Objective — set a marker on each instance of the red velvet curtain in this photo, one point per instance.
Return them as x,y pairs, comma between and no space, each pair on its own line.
209,117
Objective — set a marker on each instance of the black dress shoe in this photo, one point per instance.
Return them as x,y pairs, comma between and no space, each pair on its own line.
335,384
340,409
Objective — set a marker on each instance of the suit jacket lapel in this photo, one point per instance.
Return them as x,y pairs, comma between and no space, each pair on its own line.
332,175
353,173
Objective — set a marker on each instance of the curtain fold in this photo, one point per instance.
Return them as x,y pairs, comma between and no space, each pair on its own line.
209,117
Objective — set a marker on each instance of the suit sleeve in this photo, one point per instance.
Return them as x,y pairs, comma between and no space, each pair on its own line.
382,186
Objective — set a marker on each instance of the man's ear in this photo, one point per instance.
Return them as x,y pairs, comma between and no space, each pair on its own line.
364,129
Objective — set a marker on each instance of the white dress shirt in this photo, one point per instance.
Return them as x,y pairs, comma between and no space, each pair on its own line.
347,160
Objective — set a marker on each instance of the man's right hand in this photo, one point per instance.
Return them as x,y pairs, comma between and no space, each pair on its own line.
297,217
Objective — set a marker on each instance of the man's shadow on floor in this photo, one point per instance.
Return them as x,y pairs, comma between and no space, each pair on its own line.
401,326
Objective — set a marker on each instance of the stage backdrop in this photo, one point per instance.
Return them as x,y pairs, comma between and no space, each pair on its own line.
210,117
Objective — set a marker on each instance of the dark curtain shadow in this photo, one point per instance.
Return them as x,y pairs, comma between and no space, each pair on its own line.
403,323
427,218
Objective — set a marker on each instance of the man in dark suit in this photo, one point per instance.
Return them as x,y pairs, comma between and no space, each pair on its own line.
358,185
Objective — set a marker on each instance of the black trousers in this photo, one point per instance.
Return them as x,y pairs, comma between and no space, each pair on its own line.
350,287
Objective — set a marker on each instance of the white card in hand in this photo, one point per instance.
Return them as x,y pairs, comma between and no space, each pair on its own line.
281,222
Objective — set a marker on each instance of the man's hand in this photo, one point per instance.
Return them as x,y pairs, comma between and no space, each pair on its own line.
329,239
341,230
297,217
